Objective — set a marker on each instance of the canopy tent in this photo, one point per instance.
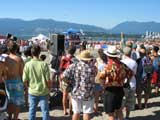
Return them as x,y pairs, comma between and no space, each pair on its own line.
41,40
40,37
73,31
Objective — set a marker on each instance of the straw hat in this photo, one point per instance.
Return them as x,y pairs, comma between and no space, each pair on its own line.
85,55
112,51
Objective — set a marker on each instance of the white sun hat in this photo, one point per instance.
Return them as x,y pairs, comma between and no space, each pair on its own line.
112,51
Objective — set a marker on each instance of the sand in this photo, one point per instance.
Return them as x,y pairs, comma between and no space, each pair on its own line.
151,113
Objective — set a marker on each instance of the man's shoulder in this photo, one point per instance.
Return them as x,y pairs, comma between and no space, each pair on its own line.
19,59
36,63
31,62
16,58
129,60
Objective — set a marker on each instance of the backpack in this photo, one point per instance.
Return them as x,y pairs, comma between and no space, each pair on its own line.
147,70
147,65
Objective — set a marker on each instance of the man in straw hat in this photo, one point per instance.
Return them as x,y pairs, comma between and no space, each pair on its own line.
112,78
82,75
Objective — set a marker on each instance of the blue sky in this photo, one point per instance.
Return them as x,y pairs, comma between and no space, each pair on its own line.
103,13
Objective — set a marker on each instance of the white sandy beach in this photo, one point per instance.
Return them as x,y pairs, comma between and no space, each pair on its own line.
151,113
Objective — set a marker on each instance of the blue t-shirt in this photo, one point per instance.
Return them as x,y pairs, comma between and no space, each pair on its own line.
156,64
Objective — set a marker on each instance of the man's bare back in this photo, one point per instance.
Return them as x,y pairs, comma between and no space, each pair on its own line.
15,67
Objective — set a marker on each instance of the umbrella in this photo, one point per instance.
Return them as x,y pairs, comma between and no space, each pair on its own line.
72,31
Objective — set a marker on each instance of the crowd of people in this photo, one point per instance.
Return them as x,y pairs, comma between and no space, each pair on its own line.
119,74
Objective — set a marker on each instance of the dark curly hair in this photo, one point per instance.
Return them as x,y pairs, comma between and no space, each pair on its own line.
35,50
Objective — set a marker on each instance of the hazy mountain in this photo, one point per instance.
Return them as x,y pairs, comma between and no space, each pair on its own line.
21,27
133,27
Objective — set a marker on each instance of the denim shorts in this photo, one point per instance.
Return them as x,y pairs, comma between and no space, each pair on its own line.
98,87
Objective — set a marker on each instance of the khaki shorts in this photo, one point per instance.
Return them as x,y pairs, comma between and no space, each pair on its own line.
79,106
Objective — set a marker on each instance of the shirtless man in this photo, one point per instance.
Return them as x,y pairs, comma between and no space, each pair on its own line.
14,84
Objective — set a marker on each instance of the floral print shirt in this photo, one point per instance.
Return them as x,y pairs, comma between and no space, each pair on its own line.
114,73
82,76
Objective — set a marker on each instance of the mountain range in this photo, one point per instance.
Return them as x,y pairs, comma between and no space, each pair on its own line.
21,27
133,27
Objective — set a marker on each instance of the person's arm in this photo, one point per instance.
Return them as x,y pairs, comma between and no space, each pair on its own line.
25,78
102,77
3,72
21,66
26,86
49,84
66,75
47,76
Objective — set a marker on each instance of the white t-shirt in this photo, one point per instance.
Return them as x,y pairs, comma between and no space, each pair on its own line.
133,66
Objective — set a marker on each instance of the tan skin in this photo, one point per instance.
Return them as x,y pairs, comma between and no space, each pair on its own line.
15,66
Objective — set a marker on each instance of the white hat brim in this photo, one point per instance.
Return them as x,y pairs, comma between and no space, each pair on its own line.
110,55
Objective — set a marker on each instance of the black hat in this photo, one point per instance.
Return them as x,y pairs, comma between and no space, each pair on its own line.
9,35
13,38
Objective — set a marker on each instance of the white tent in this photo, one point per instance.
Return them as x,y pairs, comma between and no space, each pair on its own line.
41,40
40,37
